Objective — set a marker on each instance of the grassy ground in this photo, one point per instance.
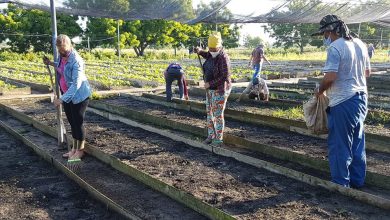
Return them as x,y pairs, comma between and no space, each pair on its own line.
293,55
6,86
311,54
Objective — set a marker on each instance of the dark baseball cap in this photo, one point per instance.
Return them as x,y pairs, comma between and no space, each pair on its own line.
327,23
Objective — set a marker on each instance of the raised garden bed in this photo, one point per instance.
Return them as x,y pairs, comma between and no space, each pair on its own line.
8,88
234,187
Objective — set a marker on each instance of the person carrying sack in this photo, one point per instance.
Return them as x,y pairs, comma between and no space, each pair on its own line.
257,88
346,68
172,73
315,114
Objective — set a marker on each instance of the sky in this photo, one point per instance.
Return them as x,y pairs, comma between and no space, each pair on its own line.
246,7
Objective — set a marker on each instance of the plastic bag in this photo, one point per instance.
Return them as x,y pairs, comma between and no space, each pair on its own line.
315,114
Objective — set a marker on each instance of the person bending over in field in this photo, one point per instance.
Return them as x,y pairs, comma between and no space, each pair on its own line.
256,89
172,73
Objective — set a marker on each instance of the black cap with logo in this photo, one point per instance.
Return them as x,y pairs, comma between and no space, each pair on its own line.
328,23
334,23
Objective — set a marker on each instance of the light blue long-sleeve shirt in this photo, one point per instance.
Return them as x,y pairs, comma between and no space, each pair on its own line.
76,80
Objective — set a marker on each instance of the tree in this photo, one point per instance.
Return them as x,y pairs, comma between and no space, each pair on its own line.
149,32
140,34
371,33
181,34
100,31
7,25
252,42
289,35
163,9
111,6
230,33
137,9
207,9
194,35
31,29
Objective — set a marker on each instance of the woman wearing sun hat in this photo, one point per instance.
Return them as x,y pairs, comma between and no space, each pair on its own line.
217,77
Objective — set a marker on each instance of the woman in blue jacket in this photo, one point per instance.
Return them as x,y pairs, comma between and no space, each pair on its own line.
75,91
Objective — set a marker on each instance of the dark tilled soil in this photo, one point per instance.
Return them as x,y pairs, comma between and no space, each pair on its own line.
314,147
31,189
373,100
242,190
120,188
268,109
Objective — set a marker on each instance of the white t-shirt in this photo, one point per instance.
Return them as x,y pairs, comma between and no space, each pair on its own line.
349,60
261,87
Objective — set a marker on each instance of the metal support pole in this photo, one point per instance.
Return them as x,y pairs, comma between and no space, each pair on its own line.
89,48
60,129
359,30
381,38
119,47
388,44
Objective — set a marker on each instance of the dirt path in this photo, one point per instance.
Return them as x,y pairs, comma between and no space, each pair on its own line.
239,189
30,188
120,188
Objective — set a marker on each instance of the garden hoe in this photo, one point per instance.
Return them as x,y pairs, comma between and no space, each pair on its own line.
208,95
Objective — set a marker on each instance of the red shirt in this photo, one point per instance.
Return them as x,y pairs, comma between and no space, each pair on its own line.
257,55
60,71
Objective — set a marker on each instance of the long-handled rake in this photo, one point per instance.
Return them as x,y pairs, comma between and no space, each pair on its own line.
72,164
208,96
61,128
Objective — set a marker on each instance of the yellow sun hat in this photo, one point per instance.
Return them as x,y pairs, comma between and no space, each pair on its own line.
215,40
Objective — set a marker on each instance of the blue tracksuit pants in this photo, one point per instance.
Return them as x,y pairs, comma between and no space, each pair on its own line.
346,144
257,70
